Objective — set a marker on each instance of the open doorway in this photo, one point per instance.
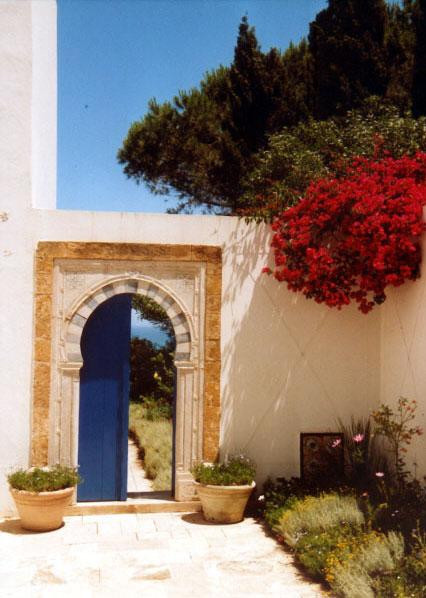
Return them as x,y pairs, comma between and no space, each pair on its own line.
127,400
151,400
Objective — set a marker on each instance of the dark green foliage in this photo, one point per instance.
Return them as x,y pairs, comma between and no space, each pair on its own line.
400,46
419,71
201,143
402,507
279,496
156,409
151,371
46,479
259,84
297,88
364,455
347,43
181,146
236,471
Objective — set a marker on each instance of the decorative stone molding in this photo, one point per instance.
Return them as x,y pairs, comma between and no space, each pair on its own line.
139,286
72,279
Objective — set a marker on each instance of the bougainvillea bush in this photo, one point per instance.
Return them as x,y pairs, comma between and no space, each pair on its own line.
353,235
299,155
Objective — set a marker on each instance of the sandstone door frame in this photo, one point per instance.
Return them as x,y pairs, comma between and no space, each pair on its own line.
126,268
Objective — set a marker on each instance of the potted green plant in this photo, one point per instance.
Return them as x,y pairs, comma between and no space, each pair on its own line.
224,488
41,495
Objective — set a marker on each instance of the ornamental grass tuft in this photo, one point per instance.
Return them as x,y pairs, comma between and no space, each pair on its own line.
313,514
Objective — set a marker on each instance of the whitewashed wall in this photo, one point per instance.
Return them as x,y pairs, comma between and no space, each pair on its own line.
289,365
16,236
403,355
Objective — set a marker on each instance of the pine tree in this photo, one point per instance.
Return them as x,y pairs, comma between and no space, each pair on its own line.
202,143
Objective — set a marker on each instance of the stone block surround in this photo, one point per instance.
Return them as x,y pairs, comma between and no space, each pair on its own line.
71,280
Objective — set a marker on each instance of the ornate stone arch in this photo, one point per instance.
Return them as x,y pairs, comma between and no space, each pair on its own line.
71,280
188,438
81,310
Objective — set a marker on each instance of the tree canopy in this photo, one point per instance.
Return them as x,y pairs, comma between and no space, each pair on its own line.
202,143
205,143
298,155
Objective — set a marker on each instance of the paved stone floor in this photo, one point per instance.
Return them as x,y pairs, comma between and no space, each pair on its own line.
149,556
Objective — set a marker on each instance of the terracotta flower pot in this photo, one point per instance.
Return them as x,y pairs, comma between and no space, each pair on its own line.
42,511
223,504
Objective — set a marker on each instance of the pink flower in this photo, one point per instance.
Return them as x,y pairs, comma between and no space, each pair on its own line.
380,474
358,438
336,442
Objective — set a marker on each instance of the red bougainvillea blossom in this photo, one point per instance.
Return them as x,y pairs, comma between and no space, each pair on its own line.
350,237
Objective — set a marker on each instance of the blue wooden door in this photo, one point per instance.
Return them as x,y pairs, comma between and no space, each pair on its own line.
104,401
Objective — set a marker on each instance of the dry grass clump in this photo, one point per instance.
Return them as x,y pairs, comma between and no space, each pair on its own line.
315,514
353,567
154,439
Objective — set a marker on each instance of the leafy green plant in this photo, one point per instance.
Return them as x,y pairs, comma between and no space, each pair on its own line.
316,514
364,455
402,506
44,479
235,471
296,156
395,426
313,549
156,409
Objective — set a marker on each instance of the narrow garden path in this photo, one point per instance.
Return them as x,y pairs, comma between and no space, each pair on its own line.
136,478
153,555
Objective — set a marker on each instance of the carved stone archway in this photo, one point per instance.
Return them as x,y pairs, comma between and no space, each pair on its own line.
72,279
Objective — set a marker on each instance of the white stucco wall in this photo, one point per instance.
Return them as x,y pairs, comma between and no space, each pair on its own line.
288,365
16,237
403,355
44,103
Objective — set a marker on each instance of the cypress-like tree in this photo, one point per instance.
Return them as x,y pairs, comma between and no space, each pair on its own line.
296,87
400,44
419,71
347,41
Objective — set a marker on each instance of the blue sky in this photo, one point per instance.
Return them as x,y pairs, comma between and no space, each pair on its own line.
114,55
145,329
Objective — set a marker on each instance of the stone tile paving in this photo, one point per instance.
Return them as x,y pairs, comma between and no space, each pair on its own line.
149,555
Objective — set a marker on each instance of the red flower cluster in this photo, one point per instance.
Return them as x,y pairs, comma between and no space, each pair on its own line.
350,237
